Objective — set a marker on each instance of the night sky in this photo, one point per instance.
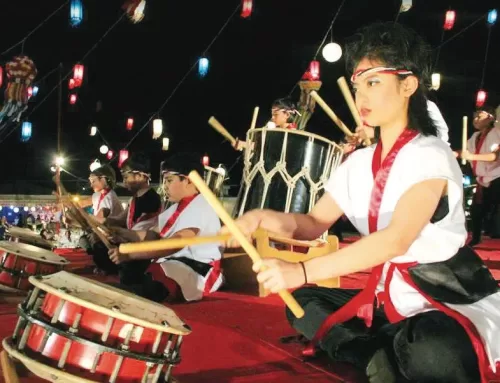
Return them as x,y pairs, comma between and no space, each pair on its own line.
135,68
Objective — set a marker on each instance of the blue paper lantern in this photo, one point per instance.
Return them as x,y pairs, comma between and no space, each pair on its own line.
26,131
35,91
203,64
76,12
492,16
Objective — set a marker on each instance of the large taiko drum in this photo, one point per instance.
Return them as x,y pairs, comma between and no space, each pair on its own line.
19,261
285,170
214,178
73,329
18,234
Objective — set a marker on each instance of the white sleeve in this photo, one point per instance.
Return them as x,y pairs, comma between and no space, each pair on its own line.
199,215
337,187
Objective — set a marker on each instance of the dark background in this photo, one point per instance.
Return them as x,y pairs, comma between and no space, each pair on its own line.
254,61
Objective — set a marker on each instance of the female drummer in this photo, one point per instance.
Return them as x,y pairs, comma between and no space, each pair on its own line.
283,113
437,315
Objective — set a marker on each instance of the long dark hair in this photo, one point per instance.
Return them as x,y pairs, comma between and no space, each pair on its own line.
399,47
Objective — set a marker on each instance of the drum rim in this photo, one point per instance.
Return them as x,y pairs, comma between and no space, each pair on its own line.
99,346
39,283
8,346
61,260
298,132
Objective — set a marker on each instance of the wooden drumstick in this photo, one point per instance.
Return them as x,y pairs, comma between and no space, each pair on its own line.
464,137
8,368
254,118
169,244
344,88
218,127
330,113
196,179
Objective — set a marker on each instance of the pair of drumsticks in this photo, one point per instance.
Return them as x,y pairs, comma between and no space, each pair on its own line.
344,88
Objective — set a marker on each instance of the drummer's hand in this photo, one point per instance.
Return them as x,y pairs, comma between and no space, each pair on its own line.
116,257
239,145
118,235
279,275
466,155
248,223
365,132
348,148
101,220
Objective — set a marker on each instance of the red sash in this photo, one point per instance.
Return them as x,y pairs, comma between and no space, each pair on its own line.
143,217
183,203
101,197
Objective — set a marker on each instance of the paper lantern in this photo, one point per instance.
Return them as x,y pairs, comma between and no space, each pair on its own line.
34,91
71,83
449,20
30,92
122,157
109,154
481,98
203,64
332,52
314,70
95,165
246,8
26,130
492,17
103,149
72,99
130,123
76,12
78,74
436,81
165,143
405,5
157,128
205,161
93,130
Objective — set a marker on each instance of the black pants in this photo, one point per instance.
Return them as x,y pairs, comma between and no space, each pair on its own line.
428,347
100,256
486,211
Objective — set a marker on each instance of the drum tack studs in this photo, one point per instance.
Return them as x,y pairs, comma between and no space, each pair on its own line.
63,289
116,308
165,323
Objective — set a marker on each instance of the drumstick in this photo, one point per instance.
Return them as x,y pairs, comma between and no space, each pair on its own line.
8,368
169,244
238,234
464,138
330,113
344,88
218,127
254,118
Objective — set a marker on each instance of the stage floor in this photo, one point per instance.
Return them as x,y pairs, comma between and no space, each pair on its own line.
236,337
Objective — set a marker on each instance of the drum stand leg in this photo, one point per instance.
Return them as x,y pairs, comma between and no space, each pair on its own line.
8,368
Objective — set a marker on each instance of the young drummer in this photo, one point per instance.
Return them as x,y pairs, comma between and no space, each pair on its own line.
188,273
437,317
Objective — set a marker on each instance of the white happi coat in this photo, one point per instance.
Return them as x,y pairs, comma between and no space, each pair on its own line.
486,171
421,159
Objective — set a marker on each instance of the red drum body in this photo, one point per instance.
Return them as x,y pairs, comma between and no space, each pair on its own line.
19,261
99,343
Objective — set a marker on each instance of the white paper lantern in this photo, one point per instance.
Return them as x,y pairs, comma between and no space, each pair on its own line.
436,81
406,5
93,130
165,143
332,52
157,128
94,165
103,149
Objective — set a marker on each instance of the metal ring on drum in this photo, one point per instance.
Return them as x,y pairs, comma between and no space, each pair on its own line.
214,178
285,170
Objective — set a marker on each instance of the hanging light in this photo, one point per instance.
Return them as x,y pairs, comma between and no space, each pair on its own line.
72,99
93,130
122,157
95,165
26,130
405,5
203,64
71,83
78,74
34,91
246,8
492,16
76,12
332,52
205,160
165,143
435,81
29,91
130,123
314,70
157,128
103,149
449,20
481,98
1,76
110,154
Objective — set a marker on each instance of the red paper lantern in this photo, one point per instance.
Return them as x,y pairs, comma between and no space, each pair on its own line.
78,74
246,8
1,76
449,20
71,84
122,157
205,160
109,155
130,123
481,98
30,92
312,73
72,99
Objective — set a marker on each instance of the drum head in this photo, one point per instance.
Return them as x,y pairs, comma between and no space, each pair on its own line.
33,252
30,236
111,301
